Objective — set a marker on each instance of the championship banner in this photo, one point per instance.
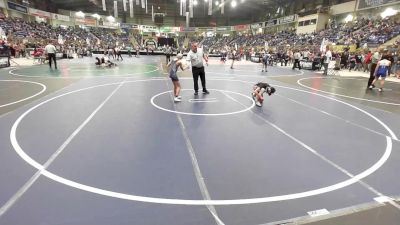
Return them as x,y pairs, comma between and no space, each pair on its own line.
241,27
191,8
210,7
187,19
146,7
115,9
17,7
39,13
104,5
181,9
366,4
152,13
131,8
124,5
60,17
184,7
222,6
143,4
137,2
322,48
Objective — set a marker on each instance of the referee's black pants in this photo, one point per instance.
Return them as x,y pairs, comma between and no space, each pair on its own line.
199,72
371,74
52,56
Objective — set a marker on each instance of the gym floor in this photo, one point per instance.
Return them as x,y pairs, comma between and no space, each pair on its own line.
85,145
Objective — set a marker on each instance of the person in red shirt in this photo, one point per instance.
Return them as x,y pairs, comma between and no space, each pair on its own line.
367,61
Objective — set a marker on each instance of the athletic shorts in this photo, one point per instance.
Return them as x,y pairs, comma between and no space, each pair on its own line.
173,77
381,75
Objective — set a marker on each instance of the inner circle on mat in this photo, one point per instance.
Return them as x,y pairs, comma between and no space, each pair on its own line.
66,71
231,96
43,88
43,170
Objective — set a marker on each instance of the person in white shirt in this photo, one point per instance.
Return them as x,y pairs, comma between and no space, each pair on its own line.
296,57
196,57
51,50
327,59
382,70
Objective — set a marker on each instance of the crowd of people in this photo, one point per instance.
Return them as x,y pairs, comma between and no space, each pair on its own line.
362,33
279,46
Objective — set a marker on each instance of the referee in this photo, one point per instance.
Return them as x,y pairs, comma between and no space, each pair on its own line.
50,50
196,56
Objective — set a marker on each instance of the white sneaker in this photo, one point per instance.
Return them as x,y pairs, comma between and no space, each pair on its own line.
258,104
370,87
176,99
179,97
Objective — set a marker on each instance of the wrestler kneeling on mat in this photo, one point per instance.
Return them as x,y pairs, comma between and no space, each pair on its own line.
258,91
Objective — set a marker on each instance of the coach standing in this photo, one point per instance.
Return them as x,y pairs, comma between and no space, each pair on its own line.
376,57
50,50
196,56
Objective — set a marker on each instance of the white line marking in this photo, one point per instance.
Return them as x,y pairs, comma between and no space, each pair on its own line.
33,179
99,191
345,96
196,168
27,98
88,76
203,114
258,76
203,100
332,115
328,161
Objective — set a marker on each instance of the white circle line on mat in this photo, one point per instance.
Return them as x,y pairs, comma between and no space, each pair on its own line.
345,96
27,98
48,174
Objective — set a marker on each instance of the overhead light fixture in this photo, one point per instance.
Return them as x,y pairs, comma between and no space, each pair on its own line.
195,2
217,3
233,4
